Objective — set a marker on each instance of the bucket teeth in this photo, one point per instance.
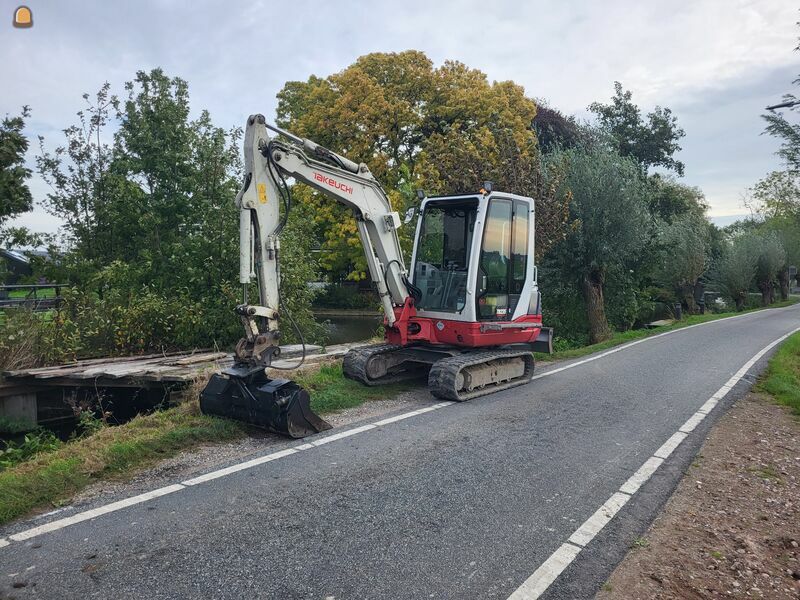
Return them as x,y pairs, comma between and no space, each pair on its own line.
249,396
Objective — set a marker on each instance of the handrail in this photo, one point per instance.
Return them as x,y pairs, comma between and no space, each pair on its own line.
16,286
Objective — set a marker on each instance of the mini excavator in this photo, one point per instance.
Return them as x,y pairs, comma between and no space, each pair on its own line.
468,314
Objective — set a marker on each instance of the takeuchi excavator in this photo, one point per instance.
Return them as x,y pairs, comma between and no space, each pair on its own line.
468,314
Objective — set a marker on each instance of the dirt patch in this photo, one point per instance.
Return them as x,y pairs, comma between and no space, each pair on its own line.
732,527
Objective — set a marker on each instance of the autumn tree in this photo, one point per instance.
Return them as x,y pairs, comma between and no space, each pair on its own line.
445,130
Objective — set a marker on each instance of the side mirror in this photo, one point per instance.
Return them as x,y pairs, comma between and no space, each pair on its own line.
409,215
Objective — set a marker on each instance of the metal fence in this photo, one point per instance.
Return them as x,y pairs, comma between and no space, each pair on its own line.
38,297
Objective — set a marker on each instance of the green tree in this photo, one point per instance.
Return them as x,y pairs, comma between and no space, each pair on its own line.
683,257
80,183
771,258
670,199
787,132
15,197
777,199
651,141
778,194
735,270
152,224
612,227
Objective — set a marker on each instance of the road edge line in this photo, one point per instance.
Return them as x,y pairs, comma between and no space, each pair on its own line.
544,576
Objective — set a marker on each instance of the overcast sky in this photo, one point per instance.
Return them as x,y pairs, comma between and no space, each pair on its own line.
715,63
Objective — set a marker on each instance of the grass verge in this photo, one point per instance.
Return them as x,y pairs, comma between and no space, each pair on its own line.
782,378
628,336
330,391
52,478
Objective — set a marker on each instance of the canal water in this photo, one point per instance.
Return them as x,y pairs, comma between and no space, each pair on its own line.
343,328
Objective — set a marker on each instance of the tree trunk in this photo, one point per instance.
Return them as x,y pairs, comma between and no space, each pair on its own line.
740,298
686,295
766,292
783,279
595,307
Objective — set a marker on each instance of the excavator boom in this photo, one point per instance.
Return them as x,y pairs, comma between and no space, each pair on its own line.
244,392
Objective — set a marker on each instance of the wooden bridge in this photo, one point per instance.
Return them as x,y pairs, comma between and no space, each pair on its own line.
40,395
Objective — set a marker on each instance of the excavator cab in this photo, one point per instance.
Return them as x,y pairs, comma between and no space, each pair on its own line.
471,258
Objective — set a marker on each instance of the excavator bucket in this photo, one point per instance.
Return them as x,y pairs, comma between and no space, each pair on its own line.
246,394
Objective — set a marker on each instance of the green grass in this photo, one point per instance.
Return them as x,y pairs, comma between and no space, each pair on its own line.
52,478
40,293
619,338
781,380
330,391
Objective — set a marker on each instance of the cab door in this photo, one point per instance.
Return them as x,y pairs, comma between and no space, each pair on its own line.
503,260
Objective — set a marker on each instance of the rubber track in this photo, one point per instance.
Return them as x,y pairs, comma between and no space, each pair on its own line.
354,365
443,374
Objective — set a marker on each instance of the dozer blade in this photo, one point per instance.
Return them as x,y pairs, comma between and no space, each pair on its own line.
246,394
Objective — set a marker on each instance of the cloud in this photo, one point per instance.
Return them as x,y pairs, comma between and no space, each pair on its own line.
237,55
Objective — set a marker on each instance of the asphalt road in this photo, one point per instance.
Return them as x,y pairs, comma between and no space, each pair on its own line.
466,501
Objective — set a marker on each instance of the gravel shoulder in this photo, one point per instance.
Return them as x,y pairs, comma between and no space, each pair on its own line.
205,457
732,527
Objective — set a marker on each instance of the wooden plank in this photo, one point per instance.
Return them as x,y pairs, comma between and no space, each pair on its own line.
80,364
156,373
77,365
200,358
116,371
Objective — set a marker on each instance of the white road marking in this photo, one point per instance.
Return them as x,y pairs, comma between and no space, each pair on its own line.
341,435
693,422
643,474
709,405
114,506
240,467
647,339
673,442
413,413
95,512
547,573
592,526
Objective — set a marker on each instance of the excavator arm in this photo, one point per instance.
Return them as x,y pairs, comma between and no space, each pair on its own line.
268,165
244,392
